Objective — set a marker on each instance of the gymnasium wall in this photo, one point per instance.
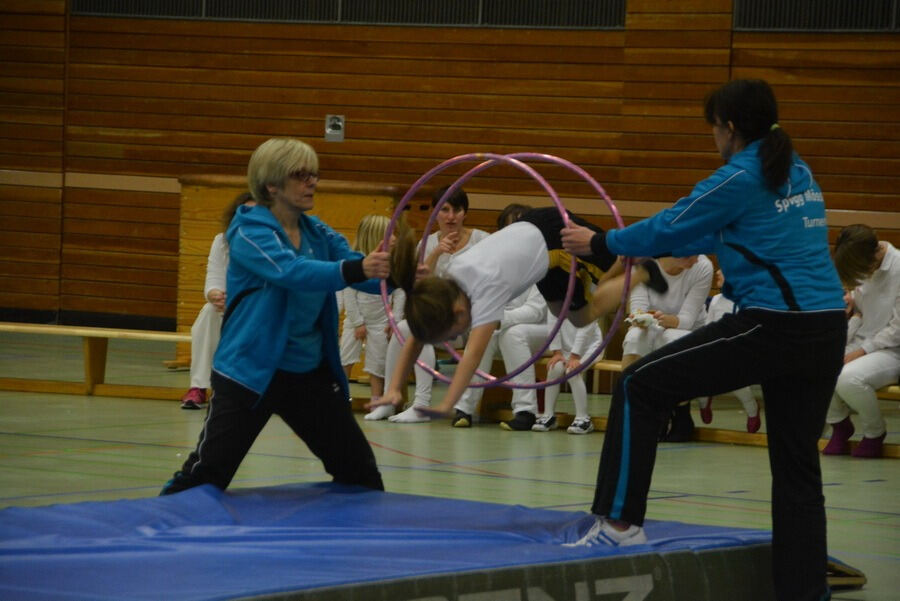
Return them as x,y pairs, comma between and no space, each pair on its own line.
100,116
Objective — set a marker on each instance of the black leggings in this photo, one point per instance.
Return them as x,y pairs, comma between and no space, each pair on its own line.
796,357
310,403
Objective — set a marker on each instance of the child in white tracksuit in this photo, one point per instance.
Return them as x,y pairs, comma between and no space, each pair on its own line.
206,327
365,320
570,345
676,313
719,306
871,270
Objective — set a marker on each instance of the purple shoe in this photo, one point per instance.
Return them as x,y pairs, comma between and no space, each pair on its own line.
840,437
870,448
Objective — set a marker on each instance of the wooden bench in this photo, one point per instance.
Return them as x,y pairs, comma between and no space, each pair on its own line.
95,342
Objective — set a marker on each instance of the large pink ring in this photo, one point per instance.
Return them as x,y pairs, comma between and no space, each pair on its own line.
516,160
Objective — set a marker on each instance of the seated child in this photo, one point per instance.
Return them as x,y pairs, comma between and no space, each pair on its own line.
719,306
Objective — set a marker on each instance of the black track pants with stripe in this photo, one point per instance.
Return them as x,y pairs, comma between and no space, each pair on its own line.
796,358
311,404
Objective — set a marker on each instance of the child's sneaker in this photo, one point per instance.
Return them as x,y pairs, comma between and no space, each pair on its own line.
461,420
582,425
521,421
602,533
194,398
544,423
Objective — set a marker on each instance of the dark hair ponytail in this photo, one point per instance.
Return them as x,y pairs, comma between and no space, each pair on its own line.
776,152
750,105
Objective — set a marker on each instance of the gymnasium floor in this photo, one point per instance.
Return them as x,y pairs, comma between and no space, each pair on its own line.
66,449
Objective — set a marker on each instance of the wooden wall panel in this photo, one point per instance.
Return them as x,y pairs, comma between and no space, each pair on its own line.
30,218
840,100
32,81
165,98
32,75
120,252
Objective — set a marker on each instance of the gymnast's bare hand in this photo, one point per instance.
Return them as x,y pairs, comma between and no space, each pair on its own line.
377,264
577,239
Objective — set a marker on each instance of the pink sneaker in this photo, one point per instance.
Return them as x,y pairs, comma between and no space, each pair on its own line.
706,412
840,437
195,398
870,448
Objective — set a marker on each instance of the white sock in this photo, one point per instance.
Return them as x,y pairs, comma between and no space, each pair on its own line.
410,416
380,412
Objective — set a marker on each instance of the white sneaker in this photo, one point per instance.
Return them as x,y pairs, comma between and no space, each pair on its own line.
582,425
544,423
380,412
410,416
602,533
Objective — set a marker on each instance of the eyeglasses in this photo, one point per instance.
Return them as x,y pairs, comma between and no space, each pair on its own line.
304,176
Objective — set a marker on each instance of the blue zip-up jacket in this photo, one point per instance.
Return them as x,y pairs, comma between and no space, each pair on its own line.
772,247
264,268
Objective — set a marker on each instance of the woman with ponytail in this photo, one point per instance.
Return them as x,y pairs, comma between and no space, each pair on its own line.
763,215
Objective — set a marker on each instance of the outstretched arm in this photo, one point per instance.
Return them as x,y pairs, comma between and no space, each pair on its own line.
478,341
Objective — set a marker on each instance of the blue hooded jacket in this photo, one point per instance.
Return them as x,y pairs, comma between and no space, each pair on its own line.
264,270
772,247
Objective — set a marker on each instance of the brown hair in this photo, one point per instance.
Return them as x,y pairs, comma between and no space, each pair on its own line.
429,301
429,308
231,209
510,214
855,254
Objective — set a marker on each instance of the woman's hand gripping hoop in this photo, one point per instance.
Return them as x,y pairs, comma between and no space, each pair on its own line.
515,160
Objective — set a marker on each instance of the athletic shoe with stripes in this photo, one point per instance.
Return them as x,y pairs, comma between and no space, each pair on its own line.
544,423
602,533
583,425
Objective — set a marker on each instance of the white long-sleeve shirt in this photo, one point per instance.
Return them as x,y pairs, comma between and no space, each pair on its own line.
443,262
685,298
878,301
216,265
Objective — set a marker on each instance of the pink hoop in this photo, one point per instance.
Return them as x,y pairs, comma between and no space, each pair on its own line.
514,160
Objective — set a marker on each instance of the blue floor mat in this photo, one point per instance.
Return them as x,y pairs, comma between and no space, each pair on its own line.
206,544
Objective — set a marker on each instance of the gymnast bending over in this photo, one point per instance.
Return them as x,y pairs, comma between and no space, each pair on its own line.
482,280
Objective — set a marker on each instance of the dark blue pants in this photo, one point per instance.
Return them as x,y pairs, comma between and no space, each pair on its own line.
310,403
796,358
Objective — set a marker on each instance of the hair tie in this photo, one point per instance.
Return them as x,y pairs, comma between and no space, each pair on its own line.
774,127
